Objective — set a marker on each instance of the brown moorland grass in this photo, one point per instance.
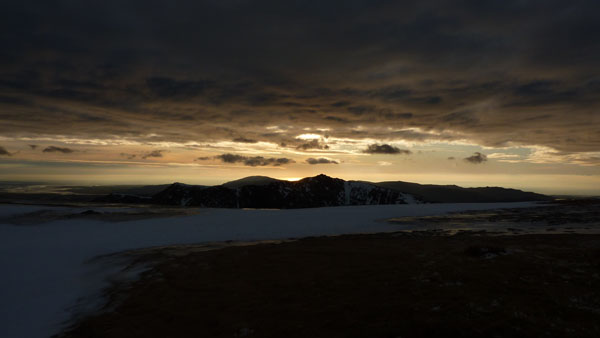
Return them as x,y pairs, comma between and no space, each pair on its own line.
383,285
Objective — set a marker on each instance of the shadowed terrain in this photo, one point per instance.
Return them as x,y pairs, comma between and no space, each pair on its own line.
265,192
388,285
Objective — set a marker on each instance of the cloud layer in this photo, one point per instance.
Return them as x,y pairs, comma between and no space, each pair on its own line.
153,153
4,152
385,149
207,71
476,158
54,149
254,161
320,160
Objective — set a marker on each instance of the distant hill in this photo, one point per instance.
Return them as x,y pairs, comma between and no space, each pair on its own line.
138,190
455,194
41,193
318,191
250,180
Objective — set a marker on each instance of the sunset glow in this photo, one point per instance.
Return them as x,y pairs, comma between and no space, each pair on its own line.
469,104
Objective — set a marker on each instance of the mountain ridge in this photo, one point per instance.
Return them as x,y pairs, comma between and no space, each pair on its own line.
264,192
433,193
319,191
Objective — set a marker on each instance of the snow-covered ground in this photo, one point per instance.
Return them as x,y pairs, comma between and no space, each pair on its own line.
44,271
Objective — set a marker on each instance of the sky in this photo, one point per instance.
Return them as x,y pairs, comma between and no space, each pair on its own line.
473,93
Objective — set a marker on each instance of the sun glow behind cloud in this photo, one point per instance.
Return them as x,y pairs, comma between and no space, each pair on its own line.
98,163
309,137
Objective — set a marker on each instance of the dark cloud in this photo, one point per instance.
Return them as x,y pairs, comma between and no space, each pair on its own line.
244,140
475,70
336,119
33,146
463,118
128,156
312,144
231,158
535,88
340,104
451,158
476,158
385,149
389,115
4,152
153,153
254,161
320,160
165,87
203,158
360,110
54,149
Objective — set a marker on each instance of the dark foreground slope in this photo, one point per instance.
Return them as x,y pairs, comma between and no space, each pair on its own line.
386,285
